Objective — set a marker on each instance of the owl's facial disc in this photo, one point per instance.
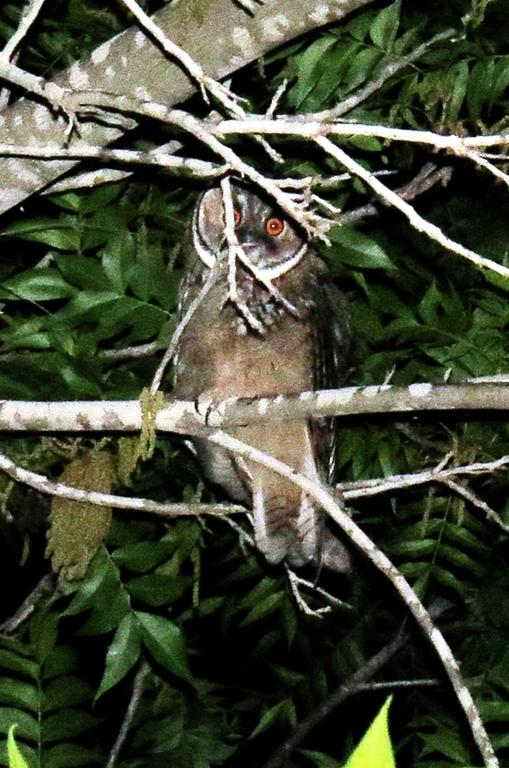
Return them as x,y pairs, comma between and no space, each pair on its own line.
270,242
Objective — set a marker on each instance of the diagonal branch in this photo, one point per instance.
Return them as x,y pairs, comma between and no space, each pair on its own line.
415,220
29,15
362,542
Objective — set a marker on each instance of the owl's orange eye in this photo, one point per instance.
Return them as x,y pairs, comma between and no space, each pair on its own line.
237,216
274,226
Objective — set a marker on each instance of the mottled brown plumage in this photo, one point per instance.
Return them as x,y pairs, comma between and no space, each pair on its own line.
284,350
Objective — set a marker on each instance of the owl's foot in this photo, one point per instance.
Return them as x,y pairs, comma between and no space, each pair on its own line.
333,554
297,582
250,6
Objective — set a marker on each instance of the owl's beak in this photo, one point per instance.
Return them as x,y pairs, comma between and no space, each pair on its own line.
251,250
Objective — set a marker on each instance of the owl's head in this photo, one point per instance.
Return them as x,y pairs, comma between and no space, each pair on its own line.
271,242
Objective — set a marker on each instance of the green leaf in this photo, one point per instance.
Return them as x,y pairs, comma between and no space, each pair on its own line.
358,249
165,642
361,68
270,717
158,589
117,256
385,27
27,724
57,233
16,759
375,748
71,755
308,65
19,694
38,285
142,556
123,653
15,661
66,691
82,271
75,723
264,608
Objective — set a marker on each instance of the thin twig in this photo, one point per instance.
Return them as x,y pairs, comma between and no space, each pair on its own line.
134,703
190,66
428,177
182,325
28,606
389,70
29,15
156,157
483,162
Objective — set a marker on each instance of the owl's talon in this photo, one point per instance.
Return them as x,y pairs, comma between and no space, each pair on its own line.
211,408
205,407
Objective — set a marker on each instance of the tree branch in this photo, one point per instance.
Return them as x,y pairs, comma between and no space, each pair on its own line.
362,542
118,416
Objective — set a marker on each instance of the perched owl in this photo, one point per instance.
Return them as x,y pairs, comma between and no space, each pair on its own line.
260,344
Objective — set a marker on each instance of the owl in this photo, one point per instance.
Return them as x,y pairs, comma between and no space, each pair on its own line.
283,330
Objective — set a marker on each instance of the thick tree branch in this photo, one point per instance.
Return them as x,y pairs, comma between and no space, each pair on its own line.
187,417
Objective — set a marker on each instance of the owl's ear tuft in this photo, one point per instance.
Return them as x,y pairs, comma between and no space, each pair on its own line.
210,211
208,226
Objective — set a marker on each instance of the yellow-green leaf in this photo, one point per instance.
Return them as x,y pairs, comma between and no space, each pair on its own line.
375,748
16,759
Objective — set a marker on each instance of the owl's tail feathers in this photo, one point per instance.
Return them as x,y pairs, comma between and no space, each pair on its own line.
333,555
298,537
273,533
287,525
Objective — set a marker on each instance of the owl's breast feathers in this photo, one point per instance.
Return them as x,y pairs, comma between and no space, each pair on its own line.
219,358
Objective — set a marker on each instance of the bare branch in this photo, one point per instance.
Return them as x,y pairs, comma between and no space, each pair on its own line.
298,126
194,70
28,606
182,416
134,702
416,221
186,165
389,70
179,330
428,176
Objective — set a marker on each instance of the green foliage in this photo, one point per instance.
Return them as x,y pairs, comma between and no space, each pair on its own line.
43,694
175,612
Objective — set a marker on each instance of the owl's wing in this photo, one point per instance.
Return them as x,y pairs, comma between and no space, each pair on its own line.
331,361
331,355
